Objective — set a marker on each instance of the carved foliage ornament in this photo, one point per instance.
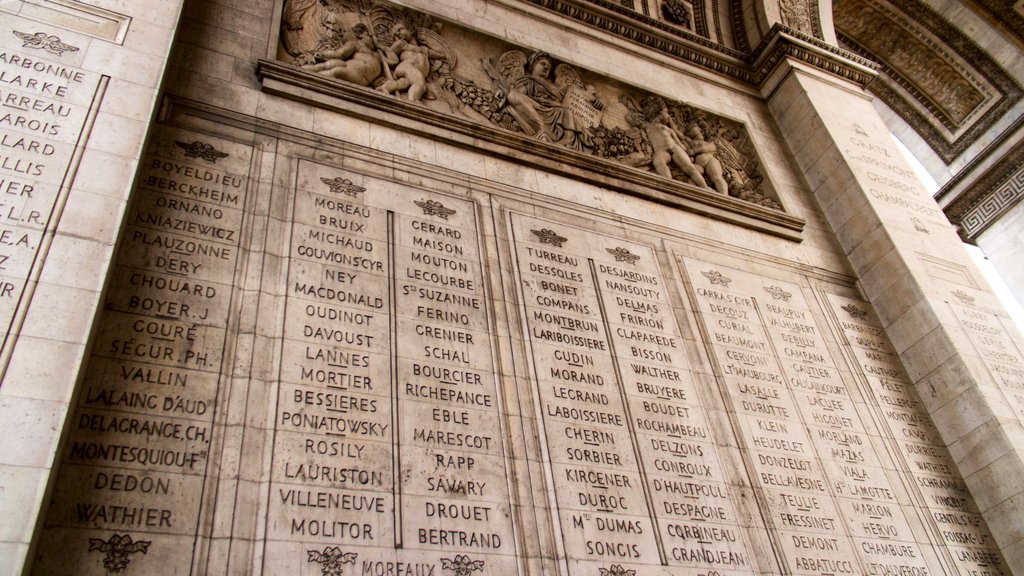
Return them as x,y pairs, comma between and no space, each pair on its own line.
549,237
434,208
339,185
778,293
855,312
332,560
44,41
677,12
963,297
201,150
117,550
410,56
623,255
461,565
796,14
716,277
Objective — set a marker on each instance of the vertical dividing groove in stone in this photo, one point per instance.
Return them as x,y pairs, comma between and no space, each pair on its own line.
396,449
50,230
629,415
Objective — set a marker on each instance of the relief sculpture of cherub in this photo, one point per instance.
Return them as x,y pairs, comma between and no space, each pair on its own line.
411,62
667,143
540,104
704,157
402,53
347,55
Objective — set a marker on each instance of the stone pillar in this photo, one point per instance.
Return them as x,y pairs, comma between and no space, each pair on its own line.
79,84
955,341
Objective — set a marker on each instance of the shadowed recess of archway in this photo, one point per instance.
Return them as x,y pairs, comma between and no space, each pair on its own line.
936,78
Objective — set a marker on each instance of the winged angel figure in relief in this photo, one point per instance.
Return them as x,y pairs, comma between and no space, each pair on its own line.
561,110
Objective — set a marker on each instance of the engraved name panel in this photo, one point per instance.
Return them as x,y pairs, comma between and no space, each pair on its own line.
826,487
44,108
938,489
636,476
388,452
135,462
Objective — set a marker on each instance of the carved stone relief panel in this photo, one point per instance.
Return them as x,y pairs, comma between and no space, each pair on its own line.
444,68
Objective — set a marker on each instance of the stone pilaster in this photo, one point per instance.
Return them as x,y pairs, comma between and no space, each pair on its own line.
80,84
954,339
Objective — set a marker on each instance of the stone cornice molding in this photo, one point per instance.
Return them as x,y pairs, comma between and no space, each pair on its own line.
294,83
782,43
654,34
982,203
752,68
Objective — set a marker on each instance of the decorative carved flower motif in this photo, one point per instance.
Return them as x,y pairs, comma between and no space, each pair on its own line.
778,293
716,277
434,208
963,297
617,570
117,550
623,255
341,185
333,560
461,565
549,237
44,41
855,312
677,12
202,150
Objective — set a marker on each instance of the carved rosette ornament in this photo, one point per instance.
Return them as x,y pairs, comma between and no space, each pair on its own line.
344,186
677,12
201,150
407,55
44,41
434,208
461,565
549,237
716,277
778,293
117,550
332,560
855,312
623,255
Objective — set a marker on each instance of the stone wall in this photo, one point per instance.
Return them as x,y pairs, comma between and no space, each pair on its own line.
346,332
